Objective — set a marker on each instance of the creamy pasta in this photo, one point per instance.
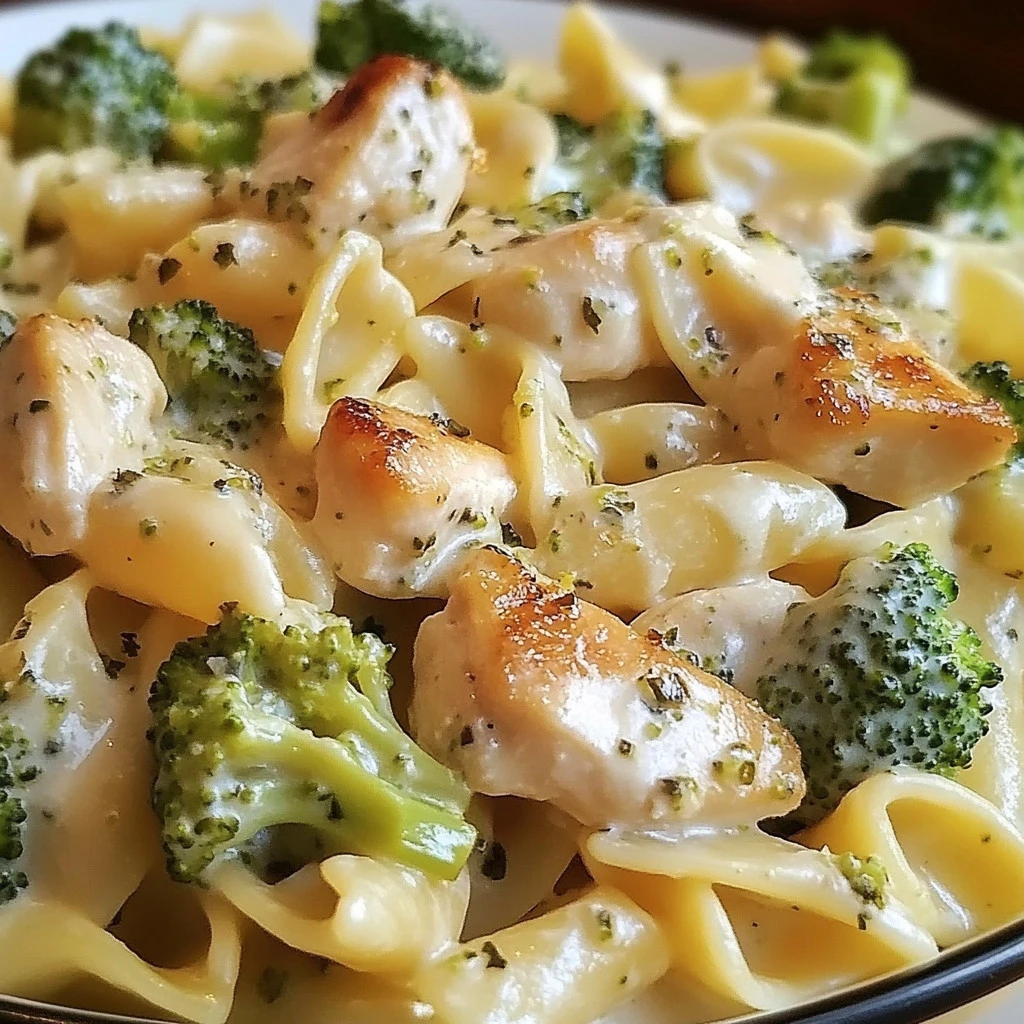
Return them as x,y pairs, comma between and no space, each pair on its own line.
499,544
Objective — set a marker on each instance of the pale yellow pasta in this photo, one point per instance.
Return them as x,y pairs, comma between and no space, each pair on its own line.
993,605
365,914
110,303
603,75
954,861
551,454
990,518
345,342
472,374
637,442
818,567
432,265
214,49
236,265
748,164
565,967
991,306
196,531
59,948
717,95
113,220
499,898
701,527
519,147
764,922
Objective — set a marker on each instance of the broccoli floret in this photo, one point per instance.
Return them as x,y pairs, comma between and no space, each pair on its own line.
17,773
963,185
263,733
857,83
997,381
350,34
221,386
223,128
624,151
8,325
875,674
94,87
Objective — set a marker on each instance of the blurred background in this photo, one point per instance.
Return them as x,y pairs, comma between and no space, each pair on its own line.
968,51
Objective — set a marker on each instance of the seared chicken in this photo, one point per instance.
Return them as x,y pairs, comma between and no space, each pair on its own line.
530,691
829,382
401,496
77,404
853,400
388,154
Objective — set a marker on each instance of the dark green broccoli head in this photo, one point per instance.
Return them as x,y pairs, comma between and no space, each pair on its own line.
350,34
94,87
223,128
222,387
997,381
624,151
875,673
963,185
260,728
17,773
857,83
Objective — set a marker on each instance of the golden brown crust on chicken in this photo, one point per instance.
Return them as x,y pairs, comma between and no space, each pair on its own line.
533,692
858,402
400,494
387,154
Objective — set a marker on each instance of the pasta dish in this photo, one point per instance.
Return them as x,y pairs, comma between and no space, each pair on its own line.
496,543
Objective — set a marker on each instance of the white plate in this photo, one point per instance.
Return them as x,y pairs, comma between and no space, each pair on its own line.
524,28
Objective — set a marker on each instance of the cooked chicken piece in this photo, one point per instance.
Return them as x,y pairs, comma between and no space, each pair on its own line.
728,628
574,293
388,154
78,403
530,691
828,381
401,496
855,401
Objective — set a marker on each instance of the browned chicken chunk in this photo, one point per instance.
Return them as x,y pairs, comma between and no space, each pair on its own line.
401,496
530,691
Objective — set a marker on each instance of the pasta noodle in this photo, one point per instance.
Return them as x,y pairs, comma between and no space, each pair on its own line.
499,544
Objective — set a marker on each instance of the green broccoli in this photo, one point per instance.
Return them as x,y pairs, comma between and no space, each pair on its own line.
350,34
857,83
223,128
874,674
17,773
221,386
996,381
962,185
624,151
280,745
8,325
553,211
94,87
